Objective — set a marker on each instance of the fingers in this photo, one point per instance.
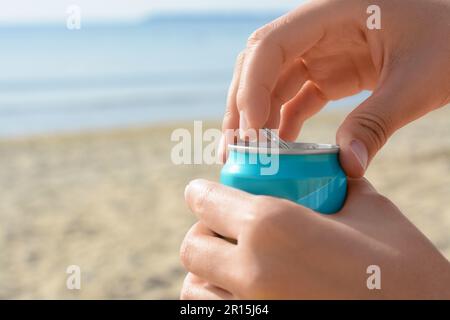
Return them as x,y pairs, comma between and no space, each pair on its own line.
288,85
231,117
275,45
208,256
306,103
194,288
365,130
220,208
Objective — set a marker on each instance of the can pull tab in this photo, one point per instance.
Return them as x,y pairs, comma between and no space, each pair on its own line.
273,137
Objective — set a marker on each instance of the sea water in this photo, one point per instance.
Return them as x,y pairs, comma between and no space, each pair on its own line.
113,75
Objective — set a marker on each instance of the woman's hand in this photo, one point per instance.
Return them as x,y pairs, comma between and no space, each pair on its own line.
285,251
324,51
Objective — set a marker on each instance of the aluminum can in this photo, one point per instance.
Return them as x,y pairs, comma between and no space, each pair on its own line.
306,173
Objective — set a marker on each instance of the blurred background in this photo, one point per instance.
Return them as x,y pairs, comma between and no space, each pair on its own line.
85,123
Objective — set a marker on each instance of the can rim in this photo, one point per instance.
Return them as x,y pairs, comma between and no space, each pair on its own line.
296,148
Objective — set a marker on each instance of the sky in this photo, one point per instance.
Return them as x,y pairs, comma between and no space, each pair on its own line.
29,11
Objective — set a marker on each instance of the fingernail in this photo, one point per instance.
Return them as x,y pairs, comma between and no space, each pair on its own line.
243,126
360,152
221,151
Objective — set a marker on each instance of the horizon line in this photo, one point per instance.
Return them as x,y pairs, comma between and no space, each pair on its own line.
147,18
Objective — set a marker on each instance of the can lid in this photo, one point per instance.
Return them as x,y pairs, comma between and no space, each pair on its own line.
295,148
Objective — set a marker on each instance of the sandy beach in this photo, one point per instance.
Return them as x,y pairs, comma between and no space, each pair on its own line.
112,203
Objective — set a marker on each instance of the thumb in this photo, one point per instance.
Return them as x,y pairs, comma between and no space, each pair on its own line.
366,130
362,134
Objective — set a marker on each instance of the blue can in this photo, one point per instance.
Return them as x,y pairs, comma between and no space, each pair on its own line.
306,173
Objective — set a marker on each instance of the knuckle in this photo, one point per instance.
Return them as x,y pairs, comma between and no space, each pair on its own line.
266,37
185,255
228,116
375,126
243,99
264,213
253,283
281,22
203,196
259,207
258,35
264,33
240,59
186,251
238,65
278,97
